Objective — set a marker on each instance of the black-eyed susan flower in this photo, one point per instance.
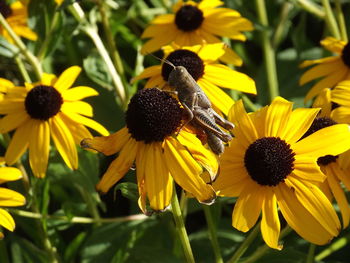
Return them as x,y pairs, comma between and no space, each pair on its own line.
331,167
196,23
49,108
162,154
201,62
16,16
8,197
268,167
330,70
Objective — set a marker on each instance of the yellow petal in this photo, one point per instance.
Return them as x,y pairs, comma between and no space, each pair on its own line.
12,121
64,142
9,174
87,122
208,4
78,93
10,198
108,145
11,106
39,146
306,168
78,131
211,52
163,19
186,171
332,44
270,223
341,114
80,107
308,63
48,79
6,220
67,78
119,166
161,38
277,117
248,207
331,140
141,164
148,72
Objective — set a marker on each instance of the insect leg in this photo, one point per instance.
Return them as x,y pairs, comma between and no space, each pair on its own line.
221,121
215,143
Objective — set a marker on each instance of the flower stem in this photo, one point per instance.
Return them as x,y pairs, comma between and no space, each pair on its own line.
34,62
341,20
286,8
330,20
311,253
243,247
23,69
212,233
91,31
180,227
269,53
312,8
336,245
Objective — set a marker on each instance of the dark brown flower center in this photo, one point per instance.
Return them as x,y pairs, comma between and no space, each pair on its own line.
153,115
5,9
346,54
318,124
186,58
188,18
43,102
269,161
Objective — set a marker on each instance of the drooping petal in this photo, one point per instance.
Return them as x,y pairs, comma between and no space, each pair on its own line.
270,223
10,198
186,171
9,174
39,146
119,166
6,220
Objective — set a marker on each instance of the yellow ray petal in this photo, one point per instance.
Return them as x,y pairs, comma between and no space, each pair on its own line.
308,63
312,198
9,174
339,94
156,82
159,40
225,77
108,145
342,174
332,44
67,78
186,171
119,166
299,218
163,19
159,183
6,220
270,223
140,174
211,52
64,142
331,140
78,93
299,122
19,142
80,107
88,122
339,195
277,117
11,106
341,114
208,4
48,79
306,168
39,146
10,198
12,121
5,85
148,73
78,131
248,207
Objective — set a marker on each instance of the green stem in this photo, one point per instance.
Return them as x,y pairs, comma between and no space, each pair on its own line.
286,8
336,245
33,61
91,31
78,219
248,103
22,69
341,21
212,233
48,37
180,228
269,53
264,248
246,243
311,253
312,8
183,204
330,20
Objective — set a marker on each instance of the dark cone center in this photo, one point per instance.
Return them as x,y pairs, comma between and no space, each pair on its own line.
269,161
346,54
189,18
153,115
186,58
5,9
43,102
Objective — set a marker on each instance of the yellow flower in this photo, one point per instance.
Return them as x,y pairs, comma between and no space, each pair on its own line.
58,2
16,16
43,109
148,141
9,198
332,69
267,166
201,63
197,23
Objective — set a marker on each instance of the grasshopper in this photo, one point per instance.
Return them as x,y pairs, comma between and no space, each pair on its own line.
198,108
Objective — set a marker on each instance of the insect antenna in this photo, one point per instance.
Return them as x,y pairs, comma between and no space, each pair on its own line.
163,60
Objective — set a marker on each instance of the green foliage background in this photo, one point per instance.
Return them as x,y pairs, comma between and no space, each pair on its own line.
64,194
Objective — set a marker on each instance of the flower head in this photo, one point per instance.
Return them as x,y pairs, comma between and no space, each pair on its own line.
49,108
267,165
201,62
332,69
196,23
153,119
16,15
9,198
